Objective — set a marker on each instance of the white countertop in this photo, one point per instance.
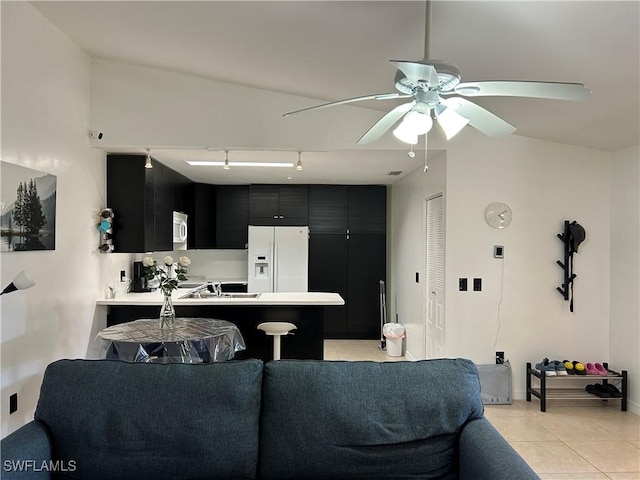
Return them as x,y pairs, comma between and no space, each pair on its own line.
280,298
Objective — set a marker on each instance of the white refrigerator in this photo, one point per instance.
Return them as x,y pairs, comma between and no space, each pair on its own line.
278,259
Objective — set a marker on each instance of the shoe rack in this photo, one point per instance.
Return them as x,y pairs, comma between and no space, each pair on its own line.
564,387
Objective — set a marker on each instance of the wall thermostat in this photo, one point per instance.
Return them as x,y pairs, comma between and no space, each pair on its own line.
498,251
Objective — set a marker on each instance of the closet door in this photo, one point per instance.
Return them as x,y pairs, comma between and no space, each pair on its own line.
435,319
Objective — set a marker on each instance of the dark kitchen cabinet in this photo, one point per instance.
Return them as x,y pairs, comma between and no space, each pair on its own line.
278,204
328,208
367,266
367,209
328,273
347,254
351,265
143,217
232,216
202,222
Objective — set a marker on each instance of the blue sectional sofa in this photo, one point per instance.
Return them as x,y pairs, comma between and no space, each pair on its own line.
290,419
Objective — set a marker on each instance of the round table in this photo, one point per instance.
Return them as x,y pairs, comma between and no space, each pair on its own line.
194,340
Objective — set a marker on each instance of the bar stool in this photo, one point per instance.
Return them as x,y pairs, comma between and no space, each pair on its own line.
276,329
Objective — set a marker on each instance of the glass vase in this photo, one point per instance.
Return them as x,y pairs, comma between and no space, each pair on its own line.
167,312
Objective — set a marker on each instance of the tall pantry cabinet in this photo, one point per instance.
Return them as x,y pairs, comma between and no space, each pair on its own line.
347,255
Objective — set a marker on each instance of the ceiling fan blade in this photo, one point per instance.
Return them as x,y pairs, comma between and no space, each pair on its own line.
385,123
417,72
379,96
553,90
480,118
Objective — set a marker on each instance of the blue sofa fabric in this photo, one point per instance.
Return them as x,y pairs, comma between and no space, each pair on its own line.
125,420
368,420
302,420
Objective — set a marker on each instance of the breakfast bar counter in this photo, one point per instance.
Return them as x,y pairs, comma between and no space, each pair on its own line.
304,309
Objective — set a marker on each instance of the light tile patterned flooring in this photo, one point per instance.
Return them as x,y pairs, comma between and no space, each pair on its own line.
570,441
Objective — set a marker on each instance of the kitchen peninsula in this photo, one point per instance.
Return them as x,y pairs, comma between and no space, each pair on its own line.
304,309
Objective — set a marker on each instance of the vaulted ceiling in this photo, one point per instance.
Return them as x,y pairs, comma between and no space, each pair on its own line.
330,50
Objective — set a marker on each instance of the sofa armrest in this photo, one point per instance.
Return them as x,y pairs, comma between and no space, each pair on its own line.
26,453
485,454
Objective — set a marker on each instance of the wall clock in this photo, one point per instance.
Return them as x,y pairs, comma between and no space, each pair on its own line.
498,215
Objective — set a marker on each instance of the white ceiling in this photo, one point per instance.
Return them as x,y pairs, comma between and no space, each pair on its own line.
333,50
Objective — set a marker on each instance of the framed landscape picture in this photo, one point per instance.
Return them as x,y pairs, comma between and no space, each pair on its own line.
27,209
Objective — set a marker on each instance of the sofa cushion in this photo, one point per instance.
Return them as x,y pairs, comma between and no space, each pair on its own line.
120,420
368,420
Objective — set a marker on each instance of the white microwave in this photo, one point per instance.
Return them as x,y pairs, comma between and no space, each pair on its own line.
179,231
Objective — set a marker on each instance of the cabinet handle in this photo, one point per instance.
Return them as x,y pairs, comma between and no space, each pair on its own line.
275,216
281,216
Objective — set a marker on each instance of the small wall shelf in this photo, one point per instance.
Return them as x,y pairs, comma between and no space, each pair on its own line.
572,390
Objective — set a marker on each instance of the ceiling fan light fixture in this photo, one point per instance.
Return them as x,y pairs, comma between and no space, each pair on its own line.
450,121
405,134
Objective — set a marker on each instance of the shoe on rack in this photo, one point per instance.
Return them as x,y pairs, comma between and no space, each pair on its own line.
579,368
559,366
548,368
600,369
598,392
568,366
613,391
591,369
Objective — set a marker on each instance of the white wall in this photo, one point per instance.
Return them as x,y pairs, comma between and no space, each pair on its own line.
140,106
45,123
544,183
625,268
405,297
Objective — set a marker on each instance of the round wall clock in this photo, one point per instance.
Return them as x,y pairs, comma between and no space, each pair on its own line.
498,215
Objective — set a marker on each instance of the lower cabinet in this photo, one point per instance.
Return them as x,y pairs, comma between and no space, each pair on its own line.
351,265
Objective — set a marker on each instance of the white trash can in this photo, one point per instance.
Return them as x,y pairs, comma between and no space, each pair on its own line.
394,333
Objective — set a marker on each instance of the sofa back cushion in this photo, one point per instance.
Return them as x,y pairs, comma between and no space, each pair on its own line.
119,420
365,420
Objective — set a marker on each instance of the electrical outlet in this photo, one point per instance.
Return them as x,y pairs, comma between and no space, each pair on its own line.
462,284
498,251
123,275
477,284
499,358
13,403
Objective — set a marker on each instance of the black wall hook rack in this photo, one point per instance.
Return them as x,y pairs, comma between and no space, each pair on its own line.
568,277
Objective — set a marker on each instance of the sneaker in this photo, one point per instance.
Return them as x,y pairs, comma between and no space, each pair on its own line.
559,366
548,368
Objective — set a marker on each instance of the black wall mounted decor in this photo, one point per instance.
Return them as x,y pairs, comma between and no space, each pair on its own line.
572,236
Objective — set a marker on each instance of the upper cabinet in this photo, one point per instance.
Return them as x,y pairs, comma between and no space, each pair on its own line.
232,216
328,208
348,209
367,209
143,200
278,204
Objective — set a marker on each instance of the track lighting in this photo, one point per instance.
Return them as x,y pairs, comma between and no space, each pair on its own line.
148,163
299,164
226,160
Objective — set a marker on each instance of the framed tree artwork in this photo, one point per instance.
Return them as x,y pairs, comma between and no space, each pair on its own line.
27,209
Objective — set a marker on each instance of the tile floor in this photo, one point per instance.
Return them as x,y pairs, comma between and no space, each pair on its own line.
571,441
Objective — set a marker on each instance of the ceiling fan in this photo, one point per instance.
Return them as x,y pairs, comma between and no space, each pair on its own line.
436,93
